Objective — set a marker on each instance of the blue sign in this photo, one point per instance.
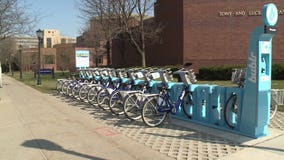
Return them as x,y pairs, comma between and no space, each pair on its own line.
270,14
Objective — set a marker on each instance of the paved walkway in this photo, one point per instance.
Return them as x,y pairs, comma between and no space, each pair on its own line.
36,126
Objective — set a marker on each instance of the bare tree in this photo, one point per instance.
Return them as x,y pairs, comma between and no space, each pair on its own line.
103,22
8,52
123,17
65,62
130,9
14,21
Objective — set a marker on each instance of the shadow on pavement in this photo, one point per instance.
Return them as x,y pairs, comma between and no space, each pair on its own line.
265,148
169,139
51,146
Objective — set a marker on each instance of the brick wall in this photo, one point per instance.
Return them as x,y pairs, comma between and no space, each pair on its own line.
204,32
65,56
219,31
48,52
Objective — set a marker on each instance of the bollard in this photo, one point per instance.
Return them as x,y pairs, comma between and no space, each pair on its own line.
1,76
52,72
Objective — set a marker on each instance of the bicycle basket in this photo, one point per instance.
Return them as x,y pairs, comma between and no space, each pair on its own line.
277,96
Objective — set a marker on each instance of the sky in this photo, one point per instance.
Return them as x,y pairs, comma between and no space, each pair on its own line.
62,15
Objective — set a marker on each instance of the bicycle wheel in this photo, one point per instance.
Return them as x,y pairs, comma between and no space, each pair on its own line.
187,105
69,90
150,114
103,99
75,91
131,107
83,92
116,103
92,95
231,111
64,88
273,110
59,85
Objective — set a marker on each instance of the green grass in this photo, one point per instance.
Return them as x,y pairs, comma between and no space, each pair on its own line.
219,83
48,83
276,84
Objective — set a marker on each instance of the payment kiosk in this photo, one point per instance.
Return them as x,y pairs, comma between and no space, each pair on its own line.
242,110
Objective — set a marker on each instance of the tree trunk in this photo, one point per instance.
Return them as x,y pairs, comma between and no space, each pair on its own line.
143,57
11,68
140,50
143,52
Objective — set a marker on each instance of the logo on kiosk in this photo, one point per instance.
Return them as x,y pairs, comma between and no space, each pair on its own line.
252,67
265,47
270,14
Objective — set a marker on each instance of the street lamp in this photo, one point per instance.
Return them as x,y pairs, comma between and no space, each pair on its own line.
39,34
21,63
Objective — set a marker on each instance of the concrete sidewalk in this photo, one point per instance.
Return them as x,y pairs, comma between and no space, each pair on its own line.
36,126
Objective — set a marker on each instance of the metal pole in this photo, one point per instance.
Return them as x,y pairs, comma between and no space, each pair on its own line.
38,61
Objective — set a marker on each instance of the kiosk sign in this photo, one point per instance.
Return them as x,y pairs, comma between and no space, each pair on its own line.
270,14
82,58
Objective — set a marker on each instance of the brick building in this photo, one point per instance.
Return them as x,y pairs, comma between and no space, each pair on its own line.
205,32
49,58
94,38
66,57
52,37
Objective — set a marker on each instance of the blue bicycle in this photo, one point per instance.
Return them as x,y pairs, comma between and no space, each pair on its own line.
156,109
134,101
128,84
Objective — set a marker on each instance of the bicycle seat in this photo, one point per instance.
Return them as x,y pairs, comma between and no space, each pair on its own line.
163,88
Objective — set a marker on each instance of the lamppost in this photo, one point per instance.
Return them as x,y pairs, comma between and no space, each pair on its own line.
21,63
39,34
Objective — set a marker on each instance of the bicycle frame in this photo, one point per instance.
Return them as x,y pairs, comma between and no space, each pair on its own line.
172,107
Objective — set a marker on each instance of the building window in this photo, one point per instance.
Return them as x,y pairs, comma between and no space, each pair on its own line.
49,59
48,43
98,59
63,40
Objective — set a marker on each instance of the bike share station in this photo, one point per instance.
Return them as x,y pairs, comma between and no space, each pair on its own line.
241,110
